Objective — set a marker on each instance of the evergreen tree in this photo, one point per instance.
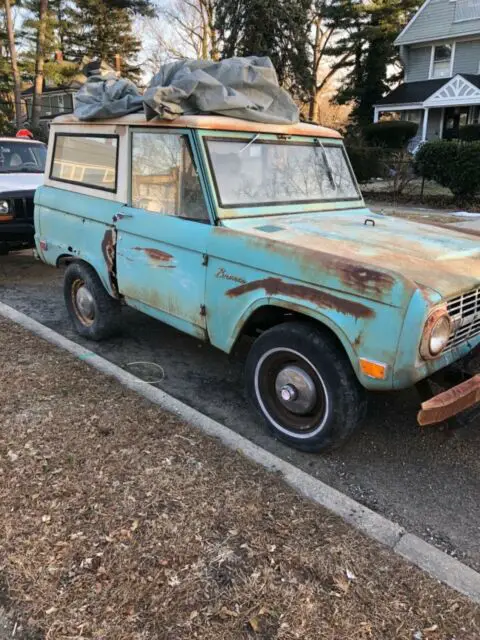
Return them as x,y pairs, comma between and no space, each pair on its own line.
104,30
371,29
274,28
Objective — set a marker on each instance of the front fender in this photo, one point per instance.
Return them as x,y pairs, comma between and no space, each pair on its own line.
365,328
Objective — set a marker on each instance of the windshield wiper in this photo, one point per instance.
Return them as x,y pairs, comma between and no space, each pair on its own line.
255,137
328,165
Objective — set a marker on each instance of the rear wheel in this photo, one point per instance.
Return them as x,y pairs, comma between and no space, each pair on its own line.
94,313
303,385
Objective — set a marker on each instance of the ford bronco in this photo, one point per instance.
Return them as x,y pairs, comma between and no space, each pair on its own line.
226,228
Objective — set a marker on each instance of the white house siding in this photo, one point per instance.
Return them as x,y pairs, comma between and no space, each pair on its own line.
467,57
418,63
436,21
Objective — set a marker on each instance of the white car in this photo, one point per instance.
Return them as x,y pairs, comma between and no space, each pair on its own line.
22,163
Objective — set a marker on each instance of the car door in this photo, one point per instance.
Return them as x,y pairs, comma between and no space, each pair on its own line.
162,236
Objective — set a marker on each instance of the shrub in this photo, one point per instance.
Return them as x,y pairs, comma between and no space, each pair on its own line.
453,165
393,134
367,162
470,133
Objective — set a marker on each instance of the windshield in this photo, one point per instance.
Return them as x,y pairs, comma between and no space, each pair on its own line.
22,157
263,172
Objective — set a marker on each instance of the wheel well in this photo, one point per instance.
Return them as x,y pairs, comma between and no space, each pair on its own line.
65,259
270,316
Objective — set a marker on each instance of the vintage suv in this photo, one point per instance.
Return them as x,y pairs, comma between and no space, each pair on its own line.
226,228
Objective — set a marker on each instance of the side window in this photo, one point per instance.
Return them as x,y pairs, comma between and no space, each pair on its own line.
90,161
164,178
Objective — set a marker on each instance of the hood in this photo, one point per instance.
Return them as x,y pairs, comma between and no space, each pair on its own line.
436,257
20,181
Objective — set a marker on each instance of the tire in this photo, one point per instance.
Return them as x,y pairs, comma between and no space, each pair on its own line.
303,385
92,310
4,249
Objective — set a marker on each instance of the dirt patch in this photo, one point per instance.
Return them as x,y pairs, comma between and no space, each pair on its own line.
119,522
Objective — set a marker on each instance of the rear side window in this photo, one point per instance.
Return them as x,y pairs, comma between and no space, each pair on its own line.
90,161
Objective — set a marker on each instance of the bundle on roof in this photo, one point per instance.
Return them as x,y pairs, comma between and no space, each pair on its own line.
237,87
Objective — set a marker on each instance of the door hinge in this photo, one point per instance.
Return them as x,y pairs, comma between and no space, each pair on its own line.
203,310
204,259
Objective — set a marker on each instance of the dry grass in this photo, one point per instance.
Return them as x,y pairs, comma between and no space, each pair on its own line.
119,522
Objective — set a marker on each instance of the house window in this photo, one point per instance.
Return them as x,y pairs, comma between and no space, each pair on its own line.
441,61
467,10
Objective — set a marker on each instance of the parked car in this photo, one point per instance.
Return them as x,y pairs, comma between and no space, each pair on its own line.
22,163
225,228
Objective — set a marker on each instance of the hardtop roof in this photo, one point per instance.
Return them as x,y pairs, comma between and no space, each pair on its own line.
211,122
20,139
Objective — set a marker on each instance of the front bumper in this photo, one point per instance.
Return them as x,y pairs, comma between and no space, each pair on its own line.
461,401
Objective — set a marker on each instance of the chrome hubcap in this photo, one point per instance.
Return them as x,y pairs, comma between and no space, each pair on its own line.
85,304
296,390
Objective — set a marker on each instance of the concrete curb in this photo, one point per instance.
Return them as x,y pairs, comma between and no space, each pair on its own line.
425,556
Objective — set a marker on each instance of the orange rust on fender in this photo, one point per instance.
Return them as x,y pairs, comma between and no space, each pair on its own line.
364,279
108,251
447,404
155,254
6,219
275,286
108,248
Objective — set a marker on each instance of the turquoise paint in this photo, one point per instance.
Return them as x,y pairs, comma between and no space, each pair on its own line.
373,285
74,224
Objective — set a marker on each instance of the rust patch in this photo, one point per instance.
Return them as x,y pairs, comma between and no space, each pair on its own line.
364,279
449,403
109,242
156,255
275,286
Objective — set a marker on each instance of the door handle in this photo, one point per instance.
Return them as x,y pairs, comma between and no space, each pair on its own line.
121,215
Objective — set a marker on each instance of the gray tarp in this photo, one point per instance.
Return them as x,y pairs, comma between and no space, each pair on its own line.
238,87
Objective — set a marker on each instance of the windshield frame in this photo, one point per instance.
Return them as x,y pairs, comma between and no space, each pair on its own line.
278,207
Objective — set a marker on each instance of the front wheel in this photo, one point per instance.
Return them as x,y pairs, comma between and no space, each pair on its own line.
94,313
303,385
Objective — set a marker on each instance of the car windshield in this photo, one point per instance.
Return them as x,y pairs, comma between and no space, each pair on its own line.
261,172
22,157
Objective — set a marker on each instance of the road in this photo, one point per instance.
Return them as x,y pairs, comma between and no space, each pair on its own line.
426,480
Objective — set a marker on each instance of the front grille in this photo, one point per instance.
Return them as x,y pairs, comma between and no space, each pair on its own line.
465,313
22,208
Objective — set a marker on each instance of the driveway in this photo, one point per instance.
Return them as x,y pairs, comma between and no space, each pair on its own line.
426,480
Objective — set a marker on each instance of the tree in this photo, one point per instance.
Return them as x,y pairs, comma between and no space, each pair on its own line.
17,85
104,30
372,28
328,23
274,28
184,29
39,64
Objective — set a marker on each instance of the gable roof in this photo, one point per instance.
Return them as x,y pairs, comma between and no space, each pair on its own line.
420,92
435,20
413,92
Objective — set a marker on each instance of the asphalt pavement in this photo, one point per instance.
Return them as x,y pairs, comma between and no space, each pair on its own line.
426,480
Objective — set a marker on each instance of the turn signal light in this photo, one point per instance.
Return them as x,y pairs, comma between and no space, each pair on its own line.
373,369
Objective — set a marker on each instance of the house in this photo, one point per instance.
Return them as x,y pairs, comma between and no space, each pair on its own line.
56,100
440,50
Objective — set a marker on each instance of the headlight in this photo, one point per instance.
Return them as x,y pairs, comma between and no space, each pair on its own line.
436,334
4,207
